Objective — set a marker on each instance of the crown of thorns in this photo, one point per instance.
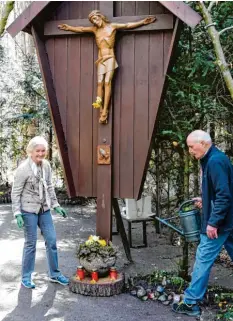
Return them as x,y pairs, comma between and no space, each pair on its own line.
97,13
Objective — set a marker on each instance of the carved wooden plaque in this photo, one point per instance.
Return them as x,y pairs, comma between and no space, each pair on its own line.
103,155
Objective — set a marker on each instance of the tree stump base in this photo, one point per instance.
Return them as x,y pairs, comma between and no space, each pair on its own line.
103,287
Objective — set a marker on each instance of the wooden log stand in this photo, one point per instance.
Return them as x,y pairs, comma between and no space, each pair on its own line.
104,287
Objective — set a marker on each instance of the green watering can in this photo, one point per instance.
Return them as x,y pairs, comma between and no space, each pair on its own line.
190,221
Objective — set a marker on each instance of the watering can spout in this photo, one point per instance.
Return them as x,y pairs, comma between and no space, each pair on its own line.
189,220
170,225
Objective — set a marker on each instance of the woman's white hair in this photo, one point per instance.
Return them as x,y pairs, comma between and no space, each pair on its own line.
200,135
37,140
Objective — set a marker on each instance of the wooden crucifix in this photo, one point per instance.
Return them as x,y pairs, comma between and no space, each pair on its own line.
105,35
105,201
105,161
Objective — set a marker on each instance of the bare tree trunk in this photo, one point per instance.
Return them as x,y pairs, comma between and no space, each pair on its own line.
50,141
186,174
215,37
9,6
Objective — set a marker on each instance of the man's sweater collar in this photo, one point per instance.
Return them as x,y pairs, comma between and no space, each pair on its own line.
205,158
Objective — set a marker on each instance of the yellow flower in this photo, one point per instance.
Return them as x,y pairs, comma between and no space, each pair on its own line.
96,105
98,102
92,238
102,242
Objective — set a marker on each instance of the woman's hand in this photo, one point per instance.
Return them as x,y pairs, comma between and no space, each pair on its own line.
19,219
59,210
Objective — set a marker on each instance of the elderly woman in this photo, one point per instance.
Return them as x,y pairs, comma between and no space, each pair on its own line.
33,196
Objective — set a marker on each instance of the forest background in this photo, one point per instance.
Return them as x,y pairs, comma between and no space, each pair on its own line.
197,98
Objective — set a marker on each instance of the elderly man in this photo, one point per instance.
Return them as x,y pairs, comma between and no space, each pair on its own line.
217,216
105,35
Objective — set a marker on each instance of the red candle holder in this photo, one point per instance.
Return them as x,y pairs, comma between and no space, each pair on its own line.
80,274
94,276
113,273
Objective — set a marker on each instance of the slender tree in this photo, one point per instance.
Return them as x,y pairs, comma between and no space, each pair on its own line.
8,7
215,38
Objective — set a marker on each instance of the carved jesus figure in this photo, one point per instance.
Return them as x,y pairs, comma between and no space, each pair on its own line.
105,35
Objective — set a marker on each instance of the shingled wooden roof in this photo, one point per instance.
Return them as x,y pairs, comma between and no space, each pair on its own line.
38,9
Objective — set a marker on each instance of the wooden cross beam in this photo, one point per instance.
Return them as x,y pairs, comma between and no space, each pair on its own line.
163,22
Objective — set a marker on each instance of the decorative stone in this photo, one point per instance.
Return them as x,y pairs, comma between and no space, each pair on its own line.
133,292
162,298
164,281
208,315
140,291
104,287
160,289
157,294
151,296
170,297
176,298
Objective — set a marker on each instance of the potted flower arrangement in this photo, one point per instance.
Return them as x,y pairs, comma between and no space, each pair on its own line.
97,254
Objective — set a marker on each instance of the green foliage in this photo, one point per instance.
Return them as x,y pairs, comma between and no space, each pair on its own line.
196,98
187,208
24,109
197,95
95,249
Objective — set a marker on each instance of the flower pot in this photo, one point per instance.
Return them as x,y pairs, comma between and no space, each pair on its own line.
99,264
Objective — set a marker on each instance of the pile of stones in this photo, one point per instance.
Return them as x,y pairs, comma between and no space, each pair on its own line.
167,288
160,286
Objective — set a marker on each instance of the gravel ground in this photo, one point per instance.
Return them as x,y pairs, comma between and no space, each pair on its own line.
55,302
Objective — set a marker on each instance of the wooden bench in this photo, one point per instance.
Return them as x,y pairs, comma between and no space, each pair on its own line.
143,221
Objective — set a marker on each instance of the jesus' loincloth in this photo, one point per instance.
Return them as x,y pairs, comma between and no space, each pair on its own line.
106,64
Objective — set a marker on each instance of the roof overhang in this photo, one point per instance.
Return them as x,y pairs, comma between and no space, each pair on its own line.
36,8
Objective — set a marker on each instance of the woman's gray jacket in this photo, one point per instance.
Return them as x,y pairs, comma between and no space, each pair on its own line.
25,190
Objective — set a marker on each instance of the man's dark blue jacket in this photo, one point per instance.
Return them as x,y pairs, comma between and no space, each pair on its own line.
217,191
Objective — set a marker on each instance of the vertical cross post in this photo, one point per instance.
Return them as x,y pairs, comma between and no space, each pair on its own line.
104,172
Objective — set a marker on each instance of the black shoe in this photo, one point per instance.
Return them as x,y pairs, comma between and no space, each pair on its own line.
189,309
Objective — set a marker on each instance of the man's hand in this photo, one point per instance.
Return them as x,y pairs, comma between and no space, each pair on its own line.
64,27
212,232
197,202
59,210
149,20
19,219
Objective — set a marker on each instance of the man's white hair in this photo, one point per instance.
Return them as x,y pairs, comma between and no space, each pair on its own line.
35,141
199,135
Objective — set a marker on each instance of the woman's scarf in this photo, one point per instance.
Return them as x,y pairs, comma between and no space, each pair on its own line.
39,172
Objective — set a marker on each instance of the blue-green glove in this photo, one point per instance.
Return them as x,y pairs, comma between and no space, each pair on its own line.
19,219
59,210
